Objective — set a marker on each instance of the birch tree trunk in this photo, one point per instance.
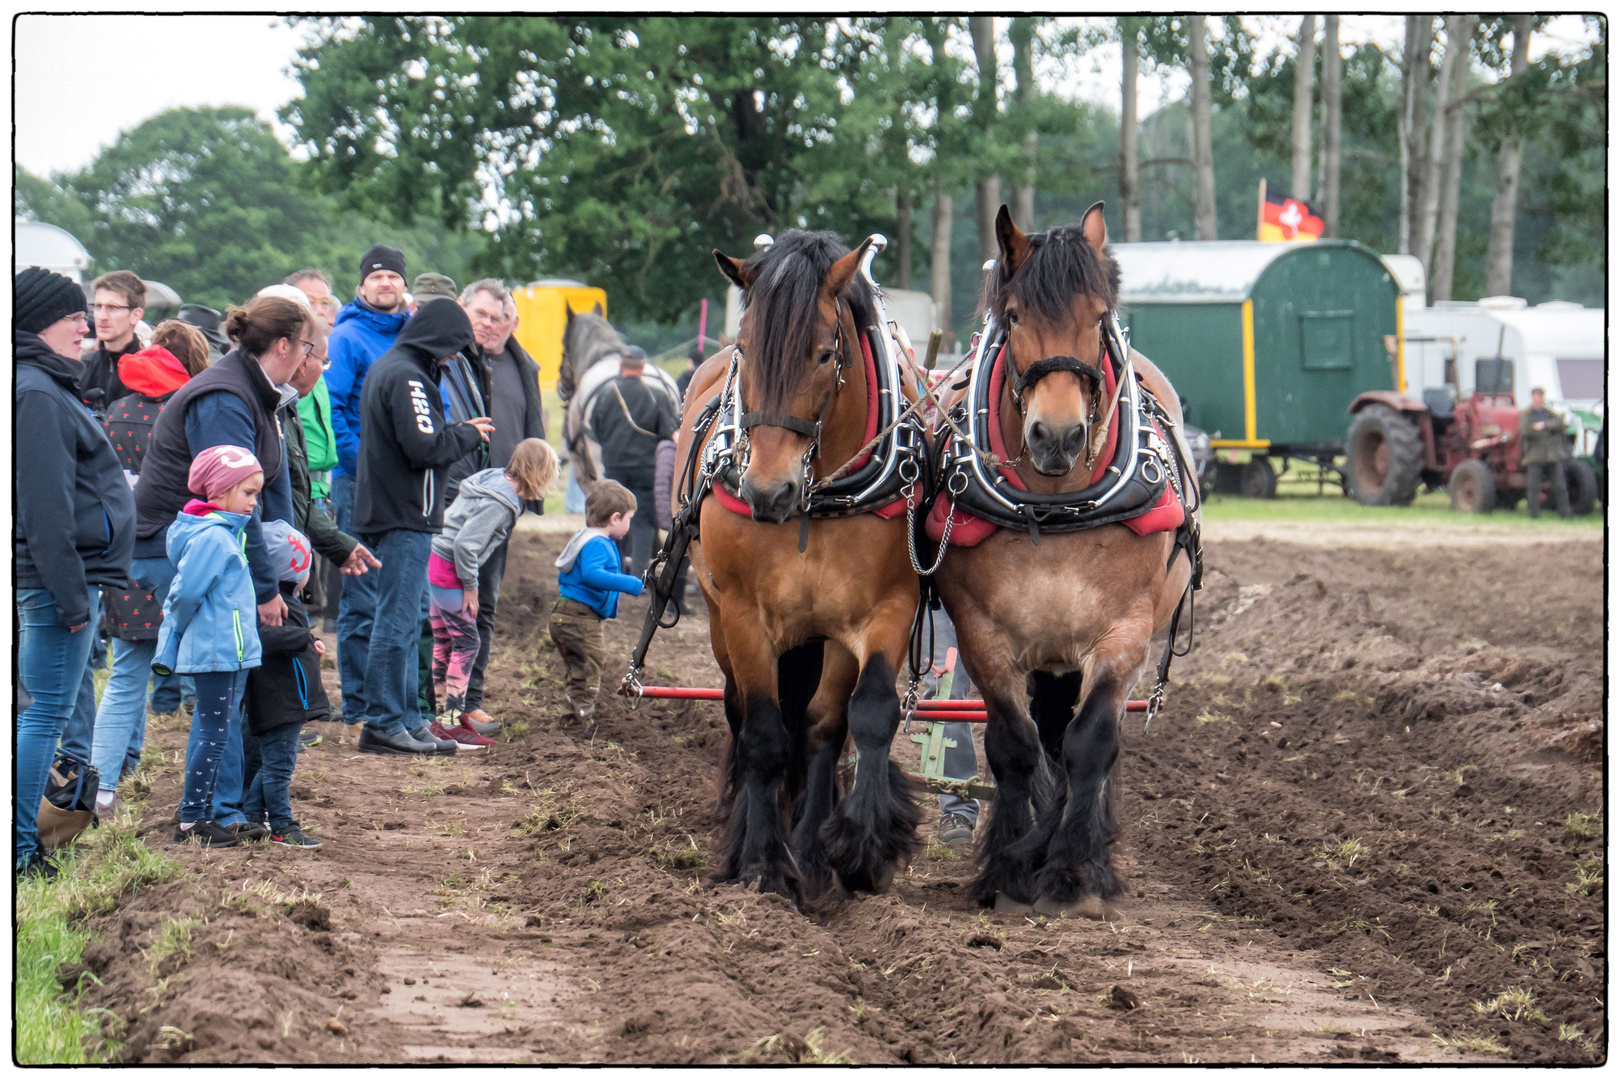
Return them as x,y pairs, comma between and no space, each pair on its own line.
1414,83
1203,155
1504,208
940,257
1130,176
1332,121
1429,209
1022,32
1454,126
986,189
902,240
1304,79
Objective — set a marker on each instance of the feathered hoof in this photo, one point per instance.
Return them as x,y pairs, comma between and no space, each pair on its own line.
1006,905
1086,907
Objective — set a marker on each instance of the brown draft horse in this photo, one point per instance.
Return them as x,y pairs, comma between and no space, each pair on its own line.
809,642
1069,621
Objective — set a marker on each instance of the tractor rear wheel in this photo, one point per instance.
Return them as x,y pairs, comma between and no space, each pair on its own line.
1473,488
1582,484
1259,479
1386,458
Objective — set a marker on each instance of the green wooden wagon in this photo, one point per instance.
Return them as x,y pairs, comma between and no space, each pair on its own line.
1267,343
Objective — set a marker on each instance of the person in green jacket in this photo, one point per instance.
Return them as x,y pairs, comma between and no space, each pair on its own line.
1542,451
315,410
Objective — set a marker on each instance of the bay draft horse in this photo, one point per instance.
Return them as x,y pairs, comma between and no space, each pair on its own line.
1069,621
809,642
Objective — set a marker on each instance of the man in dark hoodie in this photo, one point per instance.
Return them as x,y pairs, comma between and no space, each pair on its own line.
405,452
365,329
120,303
74,530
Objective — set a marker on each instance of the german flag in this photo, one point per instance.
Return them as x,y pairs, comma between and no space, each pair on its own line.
1284,218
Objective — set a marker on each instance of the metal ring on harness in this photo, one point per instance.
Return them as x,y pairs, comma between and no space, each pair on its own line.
1151,461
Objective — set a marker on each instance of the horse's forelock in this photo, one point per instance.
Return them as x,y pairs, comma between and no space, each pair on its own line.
1060,266
787,280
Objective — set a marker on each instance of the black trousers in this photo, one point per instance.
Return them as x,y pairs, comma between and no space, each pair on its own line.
639,543
1532,491
489,595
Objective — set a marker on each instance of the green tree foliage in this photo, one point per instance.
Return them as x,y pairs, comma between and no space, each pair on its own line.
210,203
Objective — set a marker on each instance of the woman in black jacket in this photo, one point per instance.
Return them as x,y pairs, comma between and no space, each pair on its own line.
74,531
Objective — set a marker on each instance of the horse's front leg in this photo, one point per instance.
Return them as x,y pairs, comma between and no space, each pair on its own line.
829,725
756,844
1077,874
875,827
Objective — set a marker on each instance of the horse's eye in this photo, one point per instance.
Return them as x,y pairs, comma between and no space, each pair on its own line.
826,355
1012,318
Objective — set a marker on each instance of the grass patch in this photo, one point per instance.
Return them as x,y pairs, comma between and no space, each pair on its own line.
1515,1003
1588,877
1473,1044
941,852
1583,825
1208,716
173,943
1342,852
684,856
1427,511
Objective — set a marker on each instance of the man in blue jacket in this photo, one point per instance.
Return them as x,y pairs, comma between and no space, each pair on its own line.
365,329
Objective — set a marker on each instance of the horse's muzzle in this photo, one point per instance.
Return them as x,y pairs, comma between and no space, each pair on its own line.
770,503
1054,452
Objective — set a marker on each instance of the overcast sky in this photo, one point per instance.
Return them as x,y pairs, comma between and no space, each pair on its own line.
83,79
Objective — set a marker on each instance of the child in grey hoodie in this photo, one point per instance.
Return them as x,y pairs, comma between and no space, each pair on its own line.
478,522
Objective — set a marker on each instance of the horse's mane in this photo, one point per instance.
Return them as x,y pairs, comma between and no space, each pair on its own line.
787,283
1060,265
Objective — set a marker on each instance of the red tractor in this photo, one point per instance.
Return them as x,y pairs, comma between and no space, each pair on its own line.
1468,447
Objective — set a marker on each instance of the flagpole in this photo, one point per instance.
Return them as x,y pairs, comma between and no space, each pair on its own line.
1260,212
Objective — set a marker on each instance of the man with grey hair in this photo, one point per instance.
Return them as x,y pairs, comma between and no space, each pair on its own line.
510,383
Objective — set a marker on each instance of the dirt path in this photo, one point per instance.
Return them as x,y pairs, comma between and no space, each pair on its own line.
1347,830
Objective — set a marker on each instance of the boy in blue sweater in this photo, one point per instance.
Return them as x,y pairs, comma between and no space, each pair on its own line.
589,582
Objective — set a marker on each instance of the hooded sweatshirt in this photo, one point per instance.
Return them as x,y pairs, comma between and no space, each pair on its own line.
477,523
407,449
209,618
75,523
590,565
360,336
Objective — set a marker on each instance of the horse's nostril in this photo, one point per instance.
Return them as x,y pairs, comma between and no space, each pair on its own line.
1039,432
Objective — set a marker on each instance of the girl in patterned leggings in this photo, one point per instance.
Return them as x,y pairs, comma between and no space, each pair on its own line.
478,522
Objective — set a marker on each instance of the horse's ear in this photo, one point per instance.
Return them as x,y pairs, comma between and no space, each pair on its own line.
733,269
568,314
842,272
596,309
1012,242
1094,228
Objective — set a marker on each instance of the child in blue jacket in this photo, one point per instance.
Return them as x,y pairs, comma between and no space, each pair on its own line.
589,582
209,622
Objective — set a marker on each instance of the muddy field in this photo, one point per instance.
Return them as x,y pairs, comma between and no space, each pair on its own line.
1368,828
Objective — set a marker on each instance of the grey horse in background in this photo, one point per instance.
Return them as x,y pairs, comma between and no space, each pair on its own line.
589,340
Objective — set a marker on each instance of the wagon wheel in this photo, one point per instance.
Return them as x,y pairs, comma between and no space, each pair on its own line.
1582,484
1259,479
1386,458
1473,488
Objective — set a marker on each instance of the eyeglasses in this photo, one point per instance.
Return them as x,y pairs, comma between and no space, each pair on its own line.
78,318
109,307
309,348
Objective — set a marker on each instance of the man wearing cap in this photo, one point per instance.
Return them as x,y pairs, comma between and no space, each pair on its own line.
630,417
207,320
366,328
74,531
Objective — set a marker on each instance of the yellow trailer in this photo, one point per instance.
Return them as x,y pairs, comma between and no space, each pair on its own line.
542,308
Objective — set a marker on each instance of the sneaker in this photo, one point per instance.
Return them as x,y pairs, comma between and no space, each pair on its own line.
955,829
247,831
293,836
307,739
481,722
425,734
465,737
206,834
401,742
38,865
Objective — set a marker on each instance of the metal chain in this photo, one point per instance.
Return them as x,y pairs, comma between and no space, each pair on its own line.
908,493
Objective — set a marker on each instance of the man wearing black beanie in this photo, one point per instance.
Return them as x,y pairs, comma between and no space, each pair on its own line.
365,329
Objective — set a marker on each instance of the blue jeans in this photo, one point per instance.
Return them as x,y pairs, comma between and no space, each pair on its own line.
50,665
357,613
79,731
228,785
169,690
961,762
211,723
390,687
269,796
121,719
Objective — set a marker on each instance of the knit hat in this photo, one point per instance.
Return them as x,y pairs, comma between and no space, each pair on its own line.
431,284
40,297
289,552
219,468
382,257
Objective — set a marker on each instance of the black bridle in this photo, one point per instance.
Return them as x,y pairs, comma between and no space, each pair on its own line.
1020,383
750,420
